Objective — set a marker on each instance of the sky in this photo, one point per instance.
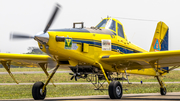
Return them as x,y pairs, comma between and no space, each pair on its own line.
31,16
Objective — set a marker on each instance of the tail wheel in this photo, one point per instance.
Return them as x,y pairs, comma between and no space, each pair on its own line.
115,90
163,91
37,92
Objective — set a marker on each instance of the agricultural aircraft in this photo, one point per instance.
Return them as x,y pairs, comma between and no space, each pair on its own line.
95,54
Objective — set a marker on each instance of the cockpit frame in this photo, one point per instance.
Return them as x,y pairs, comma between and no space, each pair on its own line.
113,25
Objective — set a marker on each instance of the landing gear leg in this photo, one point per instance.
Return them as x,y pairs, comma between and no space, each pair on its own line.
39,88
44,68
158,76
162,84
115,89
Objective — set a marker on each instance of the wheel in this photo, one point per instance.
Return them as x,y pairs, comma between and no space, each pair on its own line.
163,91
115,90
37,91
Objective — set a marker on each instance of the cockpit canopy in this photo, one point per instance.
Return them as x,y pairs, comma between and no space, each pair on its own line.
113,25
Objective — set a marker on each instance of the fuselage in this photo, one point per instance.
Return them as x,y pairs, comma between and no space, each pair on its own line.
83,46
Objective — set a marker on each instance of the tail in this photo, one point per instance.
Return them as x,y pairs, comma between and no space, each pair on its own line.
160,40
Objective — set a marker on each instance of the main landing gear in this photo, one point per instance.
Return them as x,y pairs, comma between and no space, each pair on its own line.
37,91
39,88
162,86
115,90
159,76
163,91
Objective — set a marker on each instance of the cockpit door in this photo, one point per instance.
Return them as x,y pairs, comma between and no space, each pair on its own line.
121,36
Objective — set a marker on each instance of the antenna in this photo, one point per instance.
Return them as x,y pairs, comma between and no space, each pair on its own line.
132,37
136,19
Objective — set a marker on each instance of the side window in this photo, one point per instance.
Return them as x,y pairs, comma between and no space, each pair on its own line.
120,31
113,26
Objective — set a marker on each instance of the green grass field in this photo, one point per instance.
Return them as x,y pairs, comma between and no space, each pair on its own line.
27,69
24,91
173,76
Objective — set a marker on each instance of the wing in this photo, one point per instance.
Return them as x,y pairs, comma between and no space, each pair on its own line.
143,60
26,60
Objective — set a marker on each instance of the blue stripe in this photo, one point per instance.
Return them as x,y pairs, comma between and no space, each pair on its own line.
99,44
71,30
164,45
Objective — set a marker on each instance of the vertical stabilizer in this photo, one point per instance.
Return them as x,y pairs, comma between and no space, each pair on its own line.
160,39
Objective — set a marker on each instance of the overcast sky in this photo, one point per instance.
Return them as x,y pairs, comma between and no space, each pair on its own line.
31,16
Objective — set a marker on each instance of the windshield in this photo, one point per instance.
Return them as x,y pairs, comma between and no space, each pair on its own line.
107,24
111,25
102,24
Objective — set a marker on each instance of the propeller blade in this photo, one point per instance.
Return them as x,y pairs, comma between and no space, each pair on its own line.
85,75
52,17
20,36
51,63
72,77
71,74
75,78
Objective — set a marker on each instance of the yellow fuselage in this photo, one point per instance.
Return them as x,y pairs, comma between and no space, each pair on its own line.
93,47
88,46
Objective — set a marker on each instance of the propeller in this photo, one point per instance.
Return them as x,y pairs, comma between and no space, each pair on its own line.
75,75
52,17
51,62
42,37
23,36
20,36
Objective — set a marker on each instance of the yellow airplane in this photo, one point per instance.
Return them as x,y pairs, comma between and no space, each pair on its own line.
96,53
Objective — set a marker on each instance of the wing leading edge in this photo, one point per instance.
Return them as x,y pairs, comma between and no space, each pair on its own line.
143,60
26,60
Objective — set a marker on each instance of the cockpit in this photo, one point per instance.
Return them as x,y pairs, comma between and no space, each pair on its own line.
112,25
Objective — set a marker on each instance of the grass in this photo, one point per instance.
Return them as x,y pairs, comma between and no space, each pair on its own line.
173,76
31,78
27,69
24,91
21,69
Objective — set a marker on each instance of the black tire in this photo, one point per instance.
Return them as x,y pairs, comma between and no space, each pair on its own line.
115,90
36,89
163,91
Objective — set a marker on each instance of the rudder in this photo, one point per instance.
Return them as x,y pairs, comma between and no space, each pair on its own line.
160,39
